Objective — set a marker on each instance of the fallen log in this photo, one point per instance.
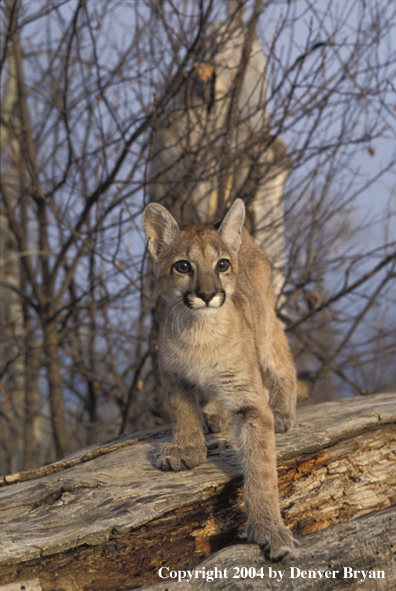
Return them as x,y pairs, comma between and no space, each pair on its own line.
105,518
345,556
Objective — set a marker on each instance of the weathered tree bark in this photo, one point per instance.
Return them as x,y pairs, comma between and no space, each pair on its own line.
331,559
105,518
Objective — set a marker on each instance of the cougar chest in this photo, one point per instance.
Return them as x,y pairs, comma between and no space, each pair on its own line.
199,348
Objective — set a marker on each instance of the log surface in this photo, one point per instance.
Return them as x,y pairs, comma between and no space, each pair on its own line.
105,517
343,552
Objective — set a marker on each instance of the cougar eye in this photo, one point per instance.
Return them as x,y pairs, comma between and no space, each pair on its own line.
182,266
223,265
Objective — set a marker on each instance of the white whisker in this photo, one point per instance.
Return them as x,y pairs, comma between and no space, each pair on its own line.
168,314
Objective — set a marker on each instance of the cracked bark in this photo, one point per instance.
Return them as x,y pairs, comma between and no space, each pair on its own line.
106,519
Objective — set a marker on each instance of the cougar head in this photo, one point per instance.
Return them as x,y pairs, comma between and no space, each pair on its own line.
195,266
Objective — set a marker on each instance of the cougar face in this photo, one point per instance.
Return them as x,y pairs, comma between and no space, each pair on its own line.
199,270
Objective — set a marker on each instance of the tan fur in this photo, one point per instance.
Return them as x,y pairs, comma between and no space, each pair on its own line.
219,336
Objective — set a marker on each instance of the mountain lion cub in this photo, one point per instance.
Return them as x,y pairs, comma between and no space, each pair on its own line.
218,335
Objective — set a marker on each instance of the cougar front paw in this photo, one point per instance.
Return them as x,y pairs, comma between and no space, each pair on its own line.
277,542
283,422
174,457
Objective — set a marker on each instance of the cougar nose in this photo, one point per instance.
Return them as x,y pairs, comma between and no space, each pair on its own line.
206,297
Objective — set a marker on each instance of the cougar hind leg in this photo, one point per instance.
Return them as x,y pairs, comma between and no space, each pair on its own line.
216,416
279,374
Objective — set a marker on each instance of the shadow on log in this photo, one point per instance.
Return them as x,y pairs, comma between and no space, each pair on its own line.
106,519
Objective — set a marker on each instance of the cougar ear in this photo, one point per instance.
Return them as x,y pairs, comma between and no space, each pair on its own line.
231,227
160,228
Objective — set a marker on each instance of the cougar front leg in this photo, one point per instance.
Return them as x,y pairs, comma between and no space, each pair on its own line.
254,428
187,449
